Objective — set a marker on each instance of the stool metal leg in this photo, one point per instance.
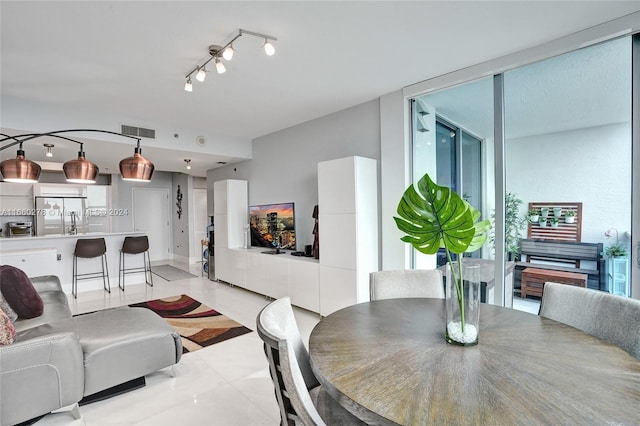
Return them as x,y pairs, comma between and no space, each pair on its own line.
147,256
106,284
121,272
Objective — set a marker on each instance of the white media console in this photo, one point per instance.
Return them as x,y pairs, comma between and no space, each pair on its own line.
348,224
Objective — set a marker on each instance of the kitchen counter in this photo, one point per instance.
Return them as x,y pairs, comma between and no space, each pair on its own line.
65,246
48,237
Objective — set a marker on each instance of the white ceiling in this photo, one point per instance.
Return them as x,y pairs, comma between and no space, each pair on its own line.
129,59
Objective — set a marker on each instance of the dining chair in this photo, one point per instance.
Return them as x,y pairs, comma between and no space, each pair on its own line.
609,317
301,398
406,283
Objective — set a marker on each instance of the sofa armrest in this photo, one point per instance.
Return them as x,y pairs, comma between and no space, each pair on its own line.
45,283
40,375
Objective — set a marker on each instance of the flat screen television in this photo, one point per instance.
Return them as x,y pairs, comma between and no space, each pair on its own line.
273,225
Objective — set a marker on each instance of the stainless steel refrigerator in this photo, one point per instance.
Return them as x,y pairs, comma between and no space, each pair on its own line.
61,216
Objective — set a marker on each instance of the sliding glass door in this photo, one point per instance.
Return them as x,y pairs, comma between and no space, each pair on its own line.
567,143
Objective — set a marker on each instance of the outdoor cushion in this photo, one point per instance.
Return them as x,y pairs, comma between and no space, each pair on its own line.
19,292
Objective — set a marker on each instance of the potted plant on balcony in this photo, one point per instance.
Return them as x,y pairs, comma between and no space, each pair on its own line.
617,249
542,222
557,211
569,216
534,215
513,226
544,212
554,221
434,217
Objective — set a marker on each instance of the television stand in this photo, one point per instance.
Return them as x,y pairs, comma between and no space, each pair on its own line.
276,251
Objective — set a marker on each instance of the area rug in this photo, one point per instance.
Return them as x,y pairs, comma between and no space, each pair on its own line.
170,273
198,325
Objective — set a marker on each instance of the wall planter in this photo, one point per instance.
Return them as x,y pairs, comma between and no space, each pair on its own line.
554,222
544,212
557,211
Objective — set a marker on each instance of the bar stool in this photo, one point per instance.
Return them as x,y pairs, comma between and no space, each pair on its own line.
89,248
135,245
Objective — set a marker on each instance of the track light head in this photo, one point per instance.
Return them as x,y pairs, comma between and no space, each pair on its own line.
49,147
268,48
188,87
188,161
201,74
220,66
228,52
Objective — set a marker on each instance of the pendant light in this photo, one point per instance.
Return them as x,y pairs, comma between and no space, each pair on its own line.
136,168
19,169
80,170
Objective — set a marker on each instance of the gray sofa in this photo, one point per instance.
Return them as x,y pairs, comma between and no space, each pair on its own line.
57,360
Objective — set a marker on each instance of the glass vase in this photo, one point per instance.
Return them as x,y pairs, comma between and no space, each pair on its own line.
462,303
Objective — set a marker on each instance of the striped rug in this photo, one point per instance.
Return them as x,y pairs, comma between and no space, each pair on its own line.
198,325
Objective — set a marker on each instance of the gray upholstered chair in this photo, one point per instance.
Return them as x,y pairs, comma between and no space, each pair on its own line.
606,316
301,398
406,283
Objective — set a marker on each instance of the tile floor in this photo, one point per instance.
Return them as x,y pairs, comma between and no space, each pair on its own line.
224,384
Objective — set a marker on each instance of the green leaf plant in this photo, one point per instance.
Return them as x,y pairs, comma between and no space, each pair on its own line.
435,217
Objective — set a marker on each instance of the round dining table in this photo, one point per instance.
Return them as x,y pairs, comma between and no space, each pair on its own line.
388,363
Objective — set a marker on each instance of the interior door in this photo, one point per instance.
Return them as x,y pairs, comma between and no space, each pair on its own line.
151,216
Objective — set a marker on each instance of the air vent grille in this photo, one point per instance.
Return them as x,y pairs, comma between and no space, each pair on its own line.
138,131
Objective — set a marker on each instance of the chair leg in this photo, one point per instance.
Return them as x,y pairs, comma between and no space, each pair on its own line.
121,267
147,256
105,268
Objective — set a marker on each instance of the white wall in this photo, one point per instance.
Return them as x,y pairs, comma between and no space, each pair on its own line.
122,198
591,165
284,164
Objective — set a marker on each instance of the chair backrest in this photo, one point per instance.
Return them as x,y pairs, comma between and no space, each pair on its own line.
406,283
289,363
90,247
135,245
612,318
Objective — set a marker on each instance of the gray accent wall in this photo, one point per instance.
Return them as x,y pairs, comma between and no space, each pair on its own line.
284,165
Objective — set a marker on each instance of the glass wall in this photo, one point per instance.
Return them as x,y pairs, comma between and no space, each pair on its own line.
567,144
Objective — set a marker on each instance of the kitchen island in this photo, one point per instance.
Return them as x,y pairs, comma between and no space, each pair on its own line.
35,255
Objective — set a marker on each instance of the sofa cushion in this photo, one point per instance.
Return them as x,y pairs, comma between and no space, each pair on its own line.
7,331
19,292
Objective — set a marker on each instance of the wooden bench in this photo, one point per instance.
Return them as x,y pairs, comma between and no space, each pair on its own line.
566,257
533,280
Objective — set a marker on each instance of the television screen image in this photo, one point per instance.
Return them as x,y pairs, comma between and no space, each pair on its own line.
273,225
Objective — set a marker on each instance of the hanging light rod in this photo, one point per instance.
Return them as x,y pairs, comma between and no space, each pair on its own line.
80,170
225,52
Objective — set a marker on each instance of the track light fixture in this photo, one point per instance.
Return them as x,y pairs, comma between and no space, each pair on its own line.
188,161
226,52
78,170
49,147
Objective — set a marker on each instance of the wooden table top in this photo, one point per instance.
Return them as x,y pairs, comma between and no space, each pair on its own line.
388,362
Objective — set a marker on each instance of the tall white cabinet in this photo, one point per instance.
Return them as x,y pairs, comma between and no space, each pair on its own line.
348,225
230,215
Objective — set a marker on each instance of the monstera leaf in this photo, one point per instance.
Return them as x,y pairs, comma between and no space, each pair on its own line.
434,217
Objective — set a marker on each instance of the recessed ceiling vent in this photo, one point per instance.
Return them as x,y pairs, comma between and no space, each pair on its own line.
138,131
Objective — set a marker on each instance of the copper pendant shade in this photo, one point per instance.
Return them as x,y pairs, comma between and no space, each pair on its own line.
136,168
20,170
80,170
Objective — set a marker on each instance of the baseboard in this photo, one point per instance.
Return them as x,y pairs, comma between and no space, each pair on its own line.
113,391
